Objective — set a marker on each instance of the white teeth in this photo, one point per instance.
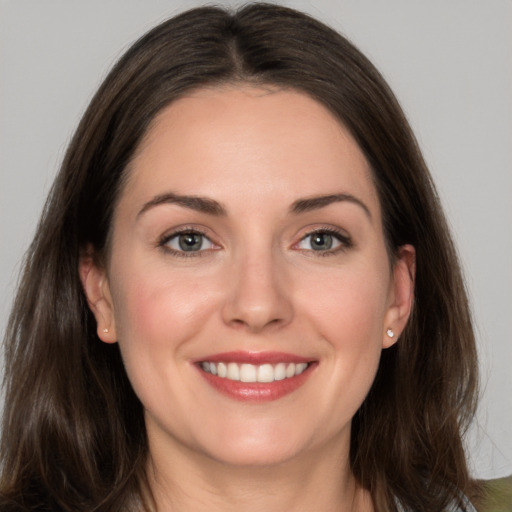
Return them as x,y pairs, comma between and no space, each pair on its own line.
266,373
222,370
280,371
299,368
248,373
233,372
254,373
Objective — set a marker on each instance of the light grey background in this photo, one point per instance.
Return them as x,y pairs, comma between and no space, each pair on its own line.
449,62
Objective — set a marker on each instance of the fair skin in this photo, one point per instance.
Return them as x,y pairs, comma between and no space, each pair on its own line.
257,270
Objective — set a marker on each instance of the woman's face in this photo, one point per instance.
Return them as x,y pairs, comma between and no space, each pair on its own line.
248,284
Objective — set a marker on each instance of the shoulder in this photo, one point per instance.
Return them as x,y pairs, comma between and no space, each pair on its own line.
496,495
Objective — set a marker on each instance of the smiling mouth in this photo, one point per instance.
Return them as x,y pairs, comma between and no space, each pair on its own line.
256,376
251,373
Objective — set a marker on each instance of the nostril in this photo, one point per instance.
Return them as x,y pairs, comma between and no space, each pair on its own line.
257,300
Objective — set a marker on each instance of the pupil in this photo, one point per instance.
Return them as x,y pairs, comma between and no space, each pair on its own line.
321,241
190,242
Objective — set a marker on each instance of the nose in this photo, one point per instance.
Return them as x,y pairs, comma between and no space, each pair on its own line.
258,297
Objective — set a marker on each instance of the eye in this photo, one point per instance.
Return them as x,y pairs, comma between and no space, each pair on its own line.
326,241
187,242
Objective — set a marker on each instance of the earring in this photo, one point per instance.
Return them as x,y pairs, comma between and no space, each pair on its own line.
105,330
390,333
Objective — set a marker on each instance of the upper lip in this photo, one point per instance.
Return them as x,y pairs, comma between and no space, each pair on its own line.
256,358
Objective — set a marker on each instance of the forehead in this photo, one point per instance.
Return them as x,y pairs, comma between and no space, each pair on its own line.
254,142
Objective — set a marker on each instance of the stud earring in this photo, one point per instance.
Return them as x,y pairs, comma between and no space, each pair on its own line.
105,330
390,333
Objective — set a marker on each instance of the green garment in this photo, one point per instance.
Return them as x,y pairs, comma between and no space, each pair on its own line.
497,495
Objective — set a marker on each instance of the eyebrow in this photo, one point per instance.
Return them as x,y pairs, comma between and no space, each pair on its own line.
314,203
200,204
212,207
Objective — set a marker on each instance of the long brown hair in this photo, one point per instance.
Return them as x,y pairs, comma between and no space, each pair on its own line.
73,432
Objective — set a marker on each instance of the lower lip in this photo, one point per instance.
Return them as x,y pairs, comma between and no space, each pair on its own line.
257,391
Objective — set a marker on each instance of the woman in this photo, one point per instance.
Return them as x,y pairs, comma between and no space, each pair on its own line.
242,293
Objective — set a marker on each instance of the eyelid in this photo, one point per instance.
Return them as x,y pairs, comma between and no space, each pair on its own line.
164,240
345,241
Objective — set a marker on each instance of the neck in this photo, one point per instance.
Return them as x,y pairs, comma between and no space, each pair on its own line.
195,483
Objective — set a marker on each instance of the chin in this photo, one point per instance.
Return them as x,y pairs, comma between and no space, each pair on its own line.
262,446
255,455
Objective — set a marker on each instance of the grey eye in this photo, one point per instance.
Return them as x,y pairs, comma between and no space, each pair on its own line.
189,242
319,241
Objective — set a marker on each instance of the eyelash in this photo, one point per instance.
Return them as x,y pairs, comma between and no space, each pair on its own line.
344,240
164,241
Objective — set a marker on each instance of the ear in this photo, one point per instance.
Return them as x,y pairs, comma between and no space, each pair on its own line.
401,297
97,290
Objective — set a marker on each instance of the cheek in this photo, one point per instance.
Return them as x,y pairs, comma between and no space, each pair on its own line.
158,308
349,305
348,312
159,315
